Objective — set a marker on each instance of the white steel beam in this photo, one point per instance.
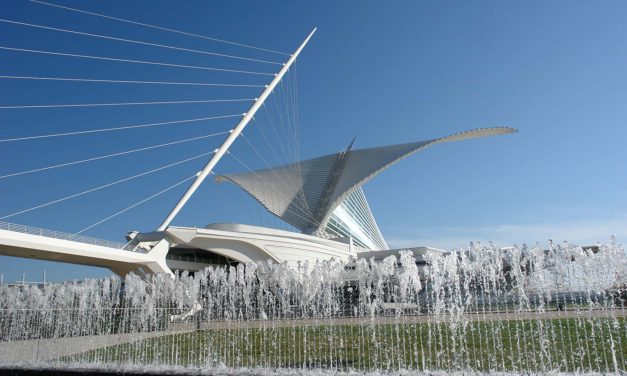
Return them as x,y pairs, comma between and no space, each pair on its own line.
219,153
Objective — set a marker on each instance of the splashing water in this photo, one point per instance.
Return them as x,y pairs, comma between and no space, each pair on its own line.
480,309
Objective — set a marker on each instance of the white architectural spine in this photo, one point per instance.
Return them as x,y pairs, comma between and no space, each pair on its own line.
219,153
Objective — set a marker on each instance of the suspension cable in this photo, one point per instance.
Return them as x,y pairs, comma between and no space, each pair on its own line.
161,28
277,127
297,174
257,152
137,42
115,128
269,167
110,155
127,81
265,137
243,164
136,204
105,186
124,104
132,61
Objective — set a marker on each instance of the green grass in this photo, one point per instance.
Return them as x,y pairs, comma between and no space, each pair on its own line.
508,345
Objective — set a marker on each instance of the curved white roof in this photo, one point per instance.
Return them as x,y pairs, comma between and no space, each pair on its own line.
306,194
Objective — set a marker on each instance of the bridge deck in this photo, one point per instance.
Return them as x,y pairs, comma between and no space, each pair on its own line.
43,244
64,236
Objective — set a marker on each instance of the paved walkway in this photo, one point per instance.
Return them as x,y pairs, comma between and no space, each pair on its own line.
41,350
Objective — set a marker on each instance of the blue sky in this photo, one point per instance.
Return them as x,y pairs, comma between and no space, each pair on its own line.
385,72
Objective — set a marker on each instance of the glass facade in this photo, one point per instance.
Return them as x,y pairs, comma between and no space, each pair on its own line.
353,218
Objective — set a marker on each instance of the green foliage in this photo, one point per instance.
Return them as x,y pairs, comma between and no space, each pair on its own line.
567,344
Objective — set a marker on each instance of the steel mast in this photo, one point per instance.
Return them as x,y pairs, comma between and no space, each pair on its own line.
219,153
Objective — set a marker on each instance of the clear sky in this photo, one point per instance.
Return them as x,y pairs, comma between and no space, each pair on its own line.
385,72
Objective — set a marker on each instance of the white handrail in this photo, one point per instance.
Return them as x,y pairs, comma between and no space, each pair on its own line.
63,236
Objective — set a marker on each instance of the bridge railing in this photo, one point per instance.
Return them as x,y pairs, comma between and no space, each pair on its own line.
64,236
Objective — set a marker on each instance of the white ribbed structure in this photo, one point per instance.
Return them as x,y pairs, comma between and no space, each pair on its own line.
323,196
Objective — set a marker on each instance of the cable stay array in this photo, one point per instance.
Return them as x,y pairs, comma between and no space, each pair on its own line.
161,28
100,157
127,81
158,63
67,105
136,204
277,129
272,139
174,122
143,43
111,184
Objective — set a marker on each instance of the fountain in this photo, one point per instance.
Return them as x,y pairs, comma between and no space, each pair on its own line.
523,309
